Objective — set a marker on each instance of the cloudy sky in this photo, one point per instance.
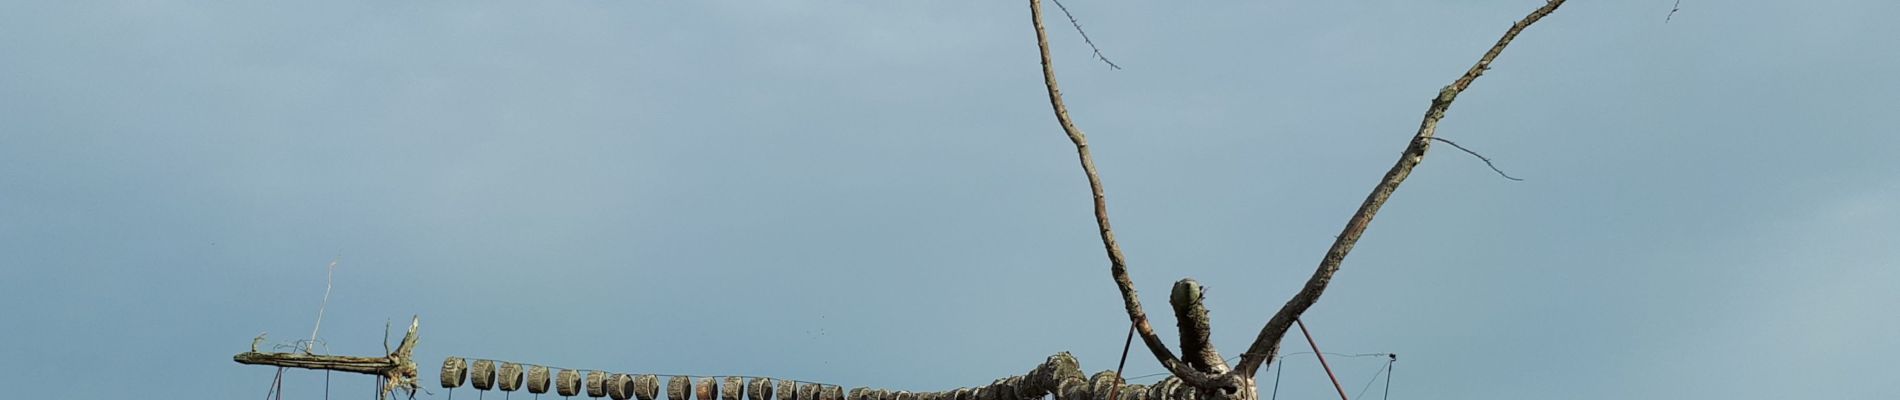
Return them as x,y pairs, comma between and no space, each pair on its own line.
875,193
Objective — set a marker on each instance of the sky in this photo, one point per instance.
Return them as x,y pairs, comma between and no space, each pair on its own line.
876,193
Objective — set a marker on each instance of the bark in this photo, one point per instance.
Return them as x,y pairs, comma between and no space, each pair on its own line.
1267,344
399,368
1117,264
1190,315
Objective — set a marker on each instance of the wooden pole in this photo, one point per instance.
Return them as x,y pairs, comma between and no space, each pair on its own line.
398,368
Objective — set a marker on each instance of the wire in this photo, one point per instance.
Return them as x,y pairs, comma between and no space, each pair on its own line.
1276,381
1388,379
1375,378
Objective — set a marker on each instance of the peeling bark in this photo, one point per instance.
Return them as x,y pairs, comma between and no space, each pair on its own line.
398,367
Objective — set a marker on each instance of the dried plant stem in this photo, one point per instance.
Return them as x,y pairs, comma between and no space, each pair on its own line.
328,279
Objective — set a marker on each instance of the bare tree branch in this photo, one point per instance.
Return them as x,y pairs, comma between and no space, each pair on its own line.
1268,342
1118,266
1481,157
1085,35
398,368
1190,315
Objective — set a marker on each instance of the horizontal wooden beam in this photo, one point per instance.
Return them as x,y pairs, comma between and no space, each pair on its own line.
398,367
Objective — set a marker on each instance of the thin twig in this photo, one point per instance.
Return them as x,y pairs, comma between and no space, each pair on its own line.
1268,342
328,279
1085,36
1672,11
1487,160
1118,266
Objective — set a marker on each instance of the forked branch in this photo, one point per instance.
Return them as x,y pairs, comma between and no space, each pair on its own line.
1267,344
1118,266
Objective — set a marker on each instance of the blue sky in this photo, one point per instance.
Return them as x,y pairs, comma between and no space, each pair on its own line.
875,193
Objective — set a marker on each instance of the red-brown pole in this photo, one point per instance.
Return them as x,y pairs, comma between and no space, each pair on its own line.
1118,368
1322,358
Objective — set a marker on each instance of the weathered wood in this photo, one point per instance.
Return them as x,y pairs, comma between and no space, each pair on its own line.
568,383
646,387
1002,390
1073,389
706,388
1018,391
454,371
1134,392
537,379
679,388
807,391
361,365
596,384
1053,371
787,390
757,389
1104,383
965,394
1164,388
732,389
484,375
620,387
1190,314
1266,345
510,377
398,367
830,392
